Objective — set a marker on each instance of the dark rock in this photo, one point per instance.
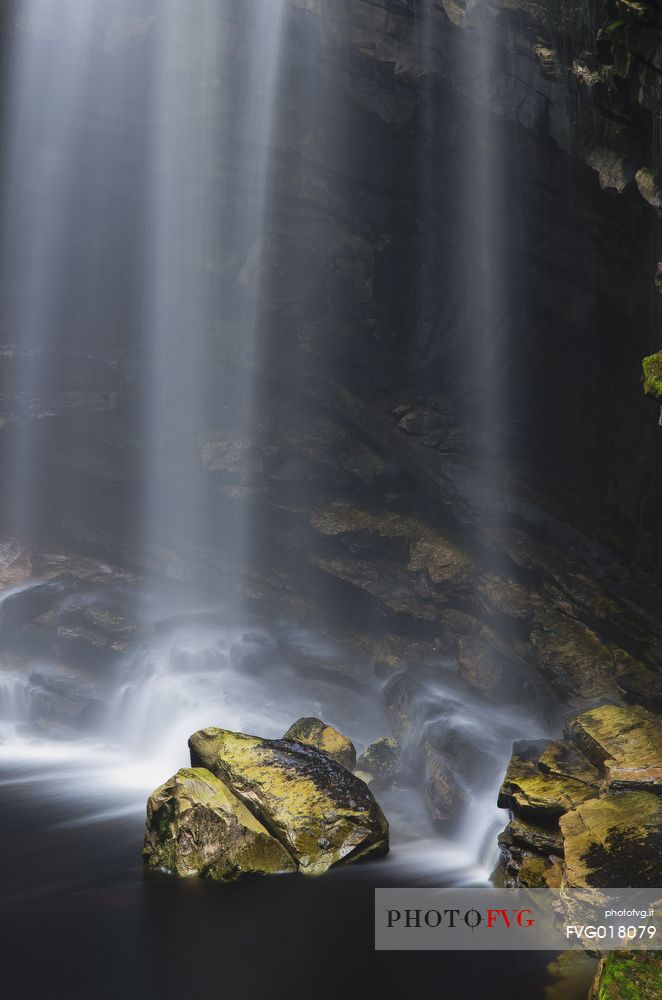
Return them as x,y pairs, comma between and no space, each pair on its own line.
538,838
444,795
642,686
380,761
19,609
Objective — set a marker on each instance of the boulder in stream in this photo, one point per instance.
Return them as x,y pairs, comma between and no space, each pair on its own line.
319,811
196,826
380,761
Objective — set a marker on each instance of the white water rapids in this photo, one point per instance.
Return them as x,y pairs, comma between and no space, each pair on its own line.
194,674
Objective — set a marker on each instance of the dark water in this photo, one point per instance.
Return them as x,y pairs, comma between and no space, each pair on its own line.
82,919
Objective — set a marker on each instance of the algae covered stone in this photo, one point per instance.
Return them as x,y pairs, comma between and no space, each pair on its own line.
628,975
196,826
316,733
652,375
318,810
381,759
538,838
612,840
545,778
625,743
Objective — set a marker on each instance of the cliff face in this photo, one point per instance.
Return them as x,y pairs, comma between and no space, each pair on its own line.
377,352
372,204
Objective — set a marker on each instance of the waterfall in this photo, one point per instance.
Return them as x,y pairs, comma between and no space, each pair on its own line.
140,240
210,132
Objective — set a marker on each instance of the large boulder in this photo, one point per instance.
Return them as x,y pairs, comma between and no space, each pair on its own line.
318,810
624,743
315,733
628,975
196,826
613,840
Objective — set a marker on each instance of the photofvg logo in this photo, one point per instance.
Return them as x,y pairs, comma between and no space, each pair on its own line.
493,919
453,918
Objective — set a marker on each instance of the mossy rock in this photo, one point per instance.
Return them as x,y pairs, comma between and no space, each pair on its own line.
532,855
540,873
538,788
196,826
652,377
537,838
629,975
315,733
572,658
613,841
625,743
381,759
320,812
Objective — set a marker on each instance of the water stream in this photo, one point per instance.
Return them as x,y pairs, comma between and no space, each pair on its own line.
195,332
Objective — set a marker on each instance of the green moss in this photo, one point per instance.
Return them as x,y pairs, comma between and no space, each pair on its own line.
652,380
630,976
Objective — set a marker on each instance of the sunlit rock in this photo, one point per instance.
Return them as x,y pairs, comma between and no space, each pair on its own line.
317,809
196,826
315,733
613,840
625,744
545,778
